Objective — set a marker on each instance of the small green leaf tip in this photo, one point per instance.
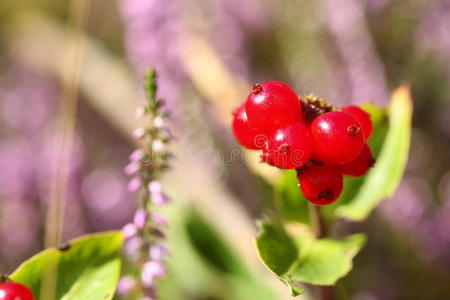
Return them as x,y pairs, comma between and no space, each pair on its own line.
150,86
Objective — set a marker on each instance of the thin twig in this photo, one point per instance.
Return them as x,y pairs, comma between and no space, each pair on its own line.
64,132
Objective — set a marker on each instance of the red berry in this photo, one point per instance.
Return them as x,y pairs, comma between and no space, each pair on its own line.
337,137
244,133
265,158
272,105
362,117
15,291
289,147
320,184
360,165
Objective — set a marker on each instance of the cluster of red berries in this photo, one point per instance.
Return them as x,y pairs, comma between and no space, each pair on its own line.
14,291
306,134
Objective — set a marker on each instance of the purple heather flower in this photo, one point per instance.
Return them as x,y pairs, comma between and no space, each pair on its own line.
140,112
158,122
132,247
131,168
158,252
140,218
134,184
125,285
158,197
154,187
159,219
147,279
129,230
157,146
153,269
138,133
136,155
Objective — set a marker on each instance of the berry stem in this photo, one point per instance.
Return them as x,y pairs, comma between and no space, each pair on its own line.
326,292
319,226
318,223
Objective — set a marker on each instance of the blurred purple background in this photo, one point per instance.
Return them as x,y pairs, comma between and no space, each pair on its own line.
346,51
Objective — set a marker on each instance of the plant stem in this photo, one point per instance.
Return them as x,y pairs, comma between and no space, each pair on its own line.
321,231
317,222
64,134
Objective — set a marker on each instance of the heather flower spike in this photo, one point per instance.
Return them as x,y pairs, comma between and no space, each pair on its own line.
144,235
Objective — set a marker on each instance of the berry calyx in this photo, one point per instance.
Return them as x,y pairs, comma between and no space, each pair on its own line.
289,147
360,165
337,137
244,133
313,106
362,117
272,105
320,184
15,291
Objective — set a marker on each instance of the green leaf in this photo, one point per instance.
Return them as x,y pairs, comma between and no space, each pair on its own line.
276,248
211,247
305,258
86,268
325,261
383,179
278,251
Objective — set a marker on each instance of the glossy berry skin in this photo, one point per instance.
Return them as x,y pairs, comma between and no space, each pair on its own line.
337,137
290,147
362,117
244,133
272,105
14,291
320,184
360,165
